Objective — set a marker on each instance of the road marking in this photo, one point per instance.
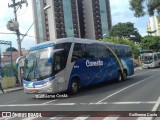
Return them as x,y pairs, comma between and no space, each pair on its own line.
30,118
125,88
157,105
55,118
83,117
111,118
145,118
155,108
70,104
49,102
123,103
26,105
65,104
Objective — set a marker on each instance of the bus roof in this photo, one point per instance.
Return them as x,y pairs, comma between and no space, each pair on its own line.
75,40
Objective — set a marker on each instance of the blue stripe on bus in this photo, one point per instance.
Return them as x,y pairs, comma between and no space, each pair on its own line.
41,46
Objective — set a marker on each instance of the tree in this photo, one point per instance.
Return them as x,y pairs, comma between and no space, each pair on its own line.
125,30
150,43
11,48
139,7
125,41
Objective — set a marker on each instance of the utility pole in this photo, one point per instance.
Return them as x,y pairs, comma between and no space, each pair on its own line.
14,25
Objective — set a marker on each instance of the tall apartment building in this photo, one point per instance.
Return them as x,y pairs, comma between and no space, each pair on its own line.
97,17
72,18
154,25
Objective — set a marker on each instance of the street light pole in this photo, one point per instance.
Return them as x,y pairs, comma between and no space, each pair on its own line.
102,36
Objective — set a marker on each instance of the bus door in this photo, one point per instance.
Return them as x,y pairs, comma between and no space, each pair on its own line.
155,60
59,64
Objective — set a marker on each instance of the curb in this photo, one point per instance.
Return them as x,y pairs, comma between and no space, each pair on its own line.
12,90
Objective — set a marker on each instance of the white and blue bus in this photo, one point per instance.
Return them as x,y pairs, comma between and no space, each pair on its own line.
71,63
150,59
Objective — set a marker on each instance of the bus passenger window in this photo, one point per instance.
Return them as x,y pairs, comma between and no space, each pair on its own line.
91,51
102,51
77,52
155,57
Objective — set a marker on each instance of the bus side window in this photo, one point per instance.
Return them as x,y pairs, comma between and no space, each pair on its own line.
158,56
77,52
123,52
128,52
110,54
102,51
155,57
91,51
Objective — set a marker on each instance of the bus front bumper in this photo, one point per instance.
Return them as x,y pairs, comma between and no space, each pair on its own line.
36,90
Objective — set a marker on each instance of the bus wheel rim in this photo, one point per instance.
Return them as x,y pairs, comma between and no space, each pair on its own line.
74,86
120,77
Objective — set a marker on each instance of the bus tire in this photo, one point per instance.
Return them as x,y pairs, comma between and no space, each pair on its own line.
74,86
120,76
124,75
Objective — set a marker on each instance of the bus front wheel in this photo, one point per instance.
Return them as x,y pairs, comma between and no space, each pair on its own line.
74,87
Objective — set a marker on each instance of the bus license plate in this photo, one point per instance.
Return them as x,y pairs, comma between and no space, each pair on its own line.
34,91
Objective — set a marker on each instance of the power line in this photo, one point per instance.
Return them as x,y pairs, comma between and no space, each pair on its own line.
25,35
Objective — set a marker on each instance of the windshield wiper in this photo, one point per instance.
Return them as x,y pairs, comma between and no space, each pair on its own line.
34,67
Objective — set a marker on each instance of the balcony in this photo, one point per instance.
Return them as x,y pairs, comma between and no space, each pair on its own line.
58,20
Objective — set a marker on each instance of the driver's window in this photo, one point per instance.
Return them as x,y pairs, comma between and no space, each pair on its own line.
58,64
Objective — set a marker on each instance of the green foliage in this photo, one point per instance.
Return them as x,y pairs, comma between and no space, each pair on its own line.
151,42
11,48
7,70
125,30
125,41
139,7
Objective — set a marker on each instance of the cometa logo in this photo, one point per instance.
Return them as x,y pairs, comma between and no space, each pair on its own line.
94,63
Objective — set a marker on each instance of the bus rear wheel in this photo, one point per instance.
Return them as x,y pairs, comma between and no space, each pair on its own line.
74,87
124,75
120,76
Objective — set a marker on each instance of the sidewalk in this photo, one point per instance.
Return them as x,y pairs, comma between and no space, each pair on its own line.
138,68
11,89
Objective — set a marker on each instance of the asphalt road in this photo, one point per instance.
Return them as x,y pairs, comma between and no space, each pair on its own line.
138,93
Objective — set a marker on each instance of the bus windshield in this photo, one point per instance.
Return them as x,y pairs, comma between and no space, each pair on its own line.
147,58
37,66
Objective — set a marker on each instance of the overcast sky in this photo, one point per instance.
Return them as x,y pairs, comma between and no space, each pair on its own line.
119,10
